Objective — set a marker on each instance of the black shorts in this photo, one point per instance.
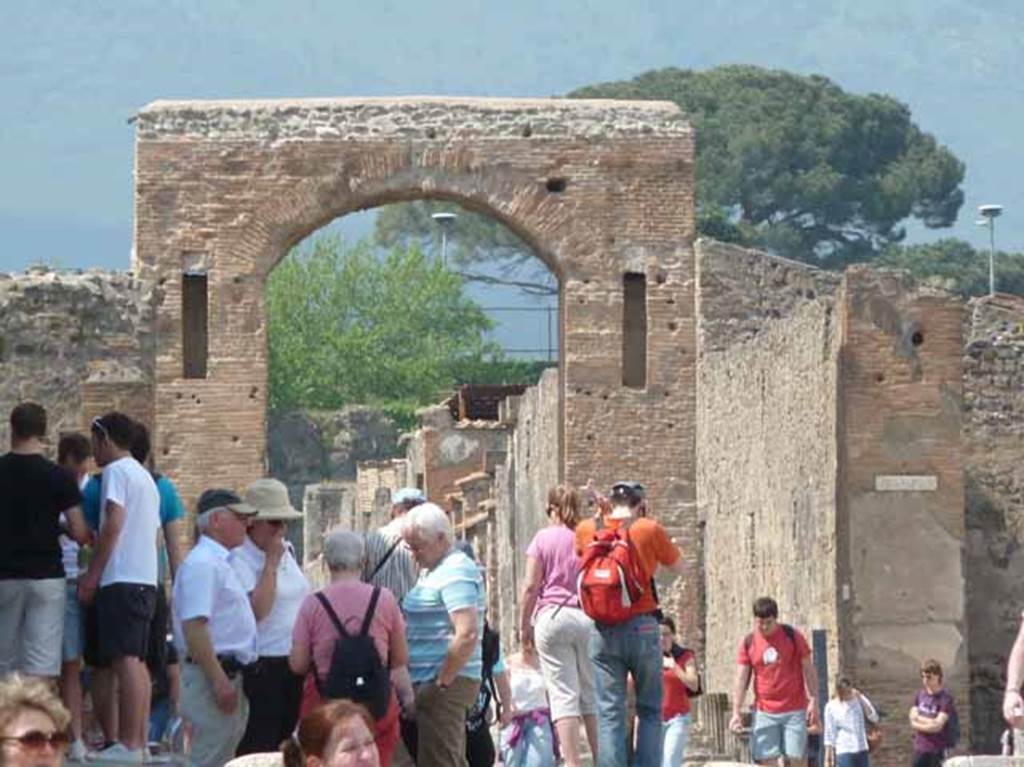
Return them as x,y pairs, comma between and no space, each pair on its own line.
124,612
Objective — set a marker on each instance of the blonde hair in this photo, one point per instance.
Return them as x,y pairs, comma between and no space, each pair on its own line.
564,505
18,693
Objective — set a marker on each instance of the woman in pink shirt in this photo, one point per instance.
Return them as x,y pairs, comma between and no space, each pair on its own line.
552,621
314,636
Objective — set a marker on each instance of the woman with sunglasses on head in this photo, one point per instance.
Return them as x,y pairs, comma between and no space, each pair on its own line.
33,724
267,569
849,719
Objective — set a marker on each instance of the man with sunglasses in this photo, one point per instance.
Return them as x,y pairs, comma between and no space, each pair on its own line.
214,630
122,580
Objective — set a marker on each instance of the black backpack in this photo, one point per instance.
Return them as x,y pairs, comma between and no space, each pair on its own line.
356,671
477,715
748,640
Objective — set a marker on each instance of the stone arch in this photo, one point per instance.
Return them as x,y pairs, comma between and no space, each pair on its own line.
601,190
536,220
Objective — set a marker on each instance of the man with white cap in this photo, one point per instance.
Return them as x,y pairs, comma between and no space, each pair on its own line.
389,563
214,630
266,566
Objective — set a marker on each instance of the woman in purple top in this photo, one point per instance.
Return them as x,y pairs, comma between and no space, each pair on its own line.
551,621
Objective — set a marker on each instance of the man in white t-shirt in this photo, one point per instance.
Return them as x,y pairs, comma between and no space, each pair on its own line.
122,579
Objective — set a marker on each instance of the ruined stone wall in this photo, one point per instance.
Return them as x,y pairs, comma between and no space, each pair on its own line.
376,482
445,450
79,343
901,492
994,457
766,430
521,483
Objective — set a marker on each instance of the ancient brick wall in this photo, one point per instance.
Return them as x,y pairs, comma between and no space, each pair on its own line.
766,430
79,343
521,484
901,493
994,458
598,189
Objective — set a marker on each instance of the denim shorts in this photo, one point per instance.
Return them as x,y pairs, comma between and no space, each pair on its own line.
775,735
74,625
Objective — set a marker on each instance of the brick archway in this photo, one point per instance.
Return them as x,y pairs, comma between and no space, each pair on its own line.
602,191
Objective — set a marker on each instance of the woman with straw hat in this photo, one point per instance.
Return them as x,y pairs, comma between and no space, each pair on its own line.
267,568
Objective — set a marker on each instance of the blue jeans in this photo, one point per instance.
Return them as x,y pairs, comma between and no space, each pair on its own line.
854,759
677,732
775,735
631,648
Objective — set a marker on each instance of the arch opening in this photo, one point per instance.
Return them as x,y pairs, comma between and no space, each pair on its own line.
405,343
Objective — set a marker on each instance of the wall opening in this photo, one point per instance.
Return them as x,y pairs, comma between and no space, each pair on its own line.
634,330
389,312
195,324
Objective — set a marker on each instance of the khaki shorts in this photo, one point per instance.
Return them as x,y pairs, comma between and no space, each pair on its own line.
32,625
562,636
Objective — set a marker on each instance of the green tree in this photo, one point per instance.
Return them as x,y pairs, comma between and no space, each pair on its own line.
956,266
474,238
797,166
347,325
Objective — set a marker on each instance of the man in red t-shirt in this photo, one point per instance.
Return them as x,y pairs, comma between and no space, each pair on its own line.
785,683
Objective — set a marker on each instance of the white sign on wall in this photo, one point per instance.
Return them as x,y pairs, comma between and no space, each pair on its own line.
907,483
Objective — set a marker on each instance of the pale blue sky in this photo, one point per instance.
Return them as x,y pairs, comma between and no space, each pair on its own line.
72,73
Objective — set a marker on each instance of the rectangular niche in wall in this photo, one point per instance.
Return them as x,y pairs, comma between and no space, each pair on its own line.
194,323
634,330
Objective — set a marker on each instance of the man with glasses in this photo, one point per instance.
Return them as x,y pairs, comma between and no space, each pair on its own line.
214,630
930,716
121,580
785,685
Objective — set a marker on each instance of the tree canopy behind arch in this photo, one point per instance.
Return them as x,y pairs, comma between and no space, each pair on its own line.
795,165
350,325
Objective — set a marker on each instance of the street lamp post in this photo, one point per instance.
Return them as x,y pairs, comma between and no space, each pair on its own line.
989,214
445,220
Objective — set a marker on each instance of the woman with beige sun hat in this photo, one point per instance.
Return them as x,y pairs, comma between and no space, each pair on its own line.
267,568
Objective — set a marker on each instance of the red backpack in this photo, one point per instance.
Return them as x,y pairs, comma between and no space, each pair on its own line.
610,581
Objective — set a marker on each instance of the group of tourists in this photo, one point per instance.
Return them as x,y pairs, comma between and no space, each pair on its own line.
393,661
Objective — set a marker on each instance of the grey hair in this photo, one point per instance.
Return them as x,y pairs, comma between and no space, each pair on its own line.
203,520
429,520
344,550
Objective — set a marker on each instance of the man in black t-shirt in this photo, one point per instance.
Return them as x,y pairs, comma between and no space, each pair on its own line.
34,492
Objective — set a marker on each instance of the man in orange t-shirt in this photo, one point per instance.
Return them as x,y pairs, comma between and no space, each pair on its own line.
631,648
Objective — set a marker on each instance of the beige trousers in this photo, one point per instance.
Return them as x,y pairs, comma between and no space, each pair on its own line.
214,734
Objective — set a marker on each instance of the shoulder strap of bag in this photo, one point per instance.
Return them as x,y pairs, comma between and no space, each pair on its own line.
790,632
385,558
369,612
333,615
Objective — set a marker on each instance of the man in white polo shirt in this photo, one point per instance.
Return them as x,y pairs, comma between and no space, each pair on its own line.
122,579
214,630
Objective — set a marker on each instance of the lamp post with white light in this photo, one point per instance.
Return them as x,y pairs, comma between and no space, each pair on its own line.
445,220
989,214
